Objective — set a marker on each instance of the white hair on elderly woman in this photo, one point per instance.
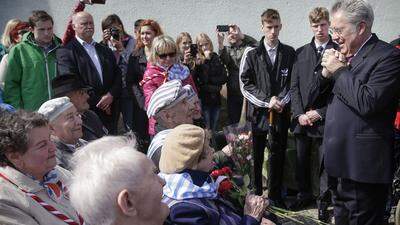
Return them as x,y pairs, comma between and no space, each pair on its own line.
110,182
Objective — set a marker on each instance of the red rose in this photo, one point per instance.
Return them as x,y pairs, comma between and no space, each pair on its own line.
224,186
226,170
216,173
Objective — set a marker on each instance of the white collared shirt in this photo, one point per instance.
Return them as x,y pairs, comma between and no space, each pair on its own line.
317,45
91,51
271,51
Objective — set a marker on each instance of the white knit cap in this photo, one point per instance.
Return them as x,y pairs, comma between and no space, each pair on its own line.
52,108
166,96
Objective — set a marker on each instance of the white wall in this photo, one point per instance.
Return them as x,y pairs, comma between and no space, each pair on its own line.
195,16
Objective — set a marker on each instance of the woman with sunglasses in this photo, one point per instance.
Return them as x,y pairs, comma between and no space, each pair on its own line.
163,66
148,30
209,75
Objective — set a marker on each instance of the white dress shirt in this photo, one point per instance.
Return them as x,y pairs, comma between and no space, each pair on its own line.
91,51
271,51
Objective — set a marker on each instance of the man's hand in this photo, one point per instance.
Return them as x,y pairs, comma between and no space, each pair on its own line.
105,102
234,29
304,120
276,104
220,38
332,61
313,115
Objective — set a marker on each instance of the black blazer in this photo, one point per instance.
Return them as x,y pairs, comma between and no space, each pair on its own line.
358,137
304,92
136,66
260,80
73,58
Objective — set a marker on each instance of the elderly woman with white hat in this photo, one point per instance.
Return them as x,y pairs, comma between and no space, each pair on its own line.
32,187
191,194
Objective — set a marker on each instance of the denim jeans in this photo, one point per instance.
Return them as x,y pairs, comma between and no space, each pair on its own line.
211,116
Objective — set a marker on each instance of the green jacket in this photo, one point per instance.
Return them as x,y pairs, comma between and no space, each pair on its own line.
29,73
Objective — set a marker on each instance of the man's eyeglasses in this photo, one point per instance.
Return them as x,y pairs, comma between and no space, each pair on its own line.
337,31
164,56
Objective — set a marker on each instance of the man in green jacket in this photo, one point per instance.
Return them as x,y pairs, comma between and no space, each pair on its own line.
32,65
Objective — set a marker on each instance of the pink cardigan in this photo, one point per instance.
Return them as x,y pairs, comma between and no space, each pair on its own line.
154,77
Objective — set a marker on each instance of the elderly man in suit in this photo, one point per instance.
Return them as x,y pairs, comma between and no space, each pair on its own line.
264,78
96,67
309,108
358,138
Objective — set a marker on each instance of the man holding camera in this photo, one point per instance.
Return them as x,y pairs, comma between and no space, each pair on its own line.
97,68
231,55
265,82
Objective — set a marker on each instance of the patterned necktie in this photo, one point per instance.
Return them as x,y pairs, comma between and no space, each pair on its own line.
320,49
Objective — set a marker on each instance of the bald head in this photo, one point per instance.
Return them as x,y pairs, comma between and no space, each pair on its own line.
82,23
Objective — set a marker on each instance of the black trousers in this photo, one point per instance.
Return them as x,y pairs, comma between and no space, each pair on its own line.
235,103
276,159
358,203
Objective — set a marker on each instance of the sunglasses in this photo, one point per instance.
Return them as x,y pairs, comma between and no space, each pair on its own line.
164,56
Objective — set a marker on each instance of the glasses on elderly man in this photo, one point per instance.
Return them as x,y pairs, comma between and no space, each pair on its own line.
334,30
165,55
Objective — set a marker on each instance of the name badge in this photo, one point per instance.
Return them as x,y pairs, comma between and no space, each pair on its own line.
284,72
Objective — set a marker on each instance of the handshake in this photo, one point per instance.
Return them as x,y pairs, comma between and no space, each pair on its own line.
332,60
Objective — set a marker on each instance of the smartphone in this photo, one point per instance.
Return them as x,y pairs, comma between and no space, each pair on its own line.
98,1
222,28
193,50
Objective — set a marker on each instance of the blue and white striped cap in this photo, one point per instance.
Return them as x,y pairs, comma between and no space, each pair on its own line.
166,96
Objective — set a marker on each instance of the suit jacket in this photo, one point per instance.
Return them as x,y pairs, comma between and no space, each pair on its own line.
260,80
92,127
73,58
358,137
304,92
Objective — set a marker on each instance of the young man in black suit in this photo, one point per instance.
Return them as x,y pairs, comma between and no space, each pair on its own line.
265,82
309,108
97,68
358,135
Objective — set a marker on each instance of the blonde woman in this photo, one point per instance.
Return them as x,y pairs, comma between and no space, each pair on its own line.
184,41
12,35
163,66
209,75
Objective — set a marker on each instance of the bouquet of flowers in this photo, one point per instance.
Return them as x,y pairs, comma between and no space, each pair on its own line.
239,137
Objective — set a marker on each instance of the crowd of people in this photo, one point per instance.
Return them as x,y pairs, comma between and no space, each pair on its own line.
63,101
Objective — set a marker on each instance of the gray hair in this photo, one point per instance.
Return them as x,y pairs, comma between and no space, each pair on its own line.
101,170
356,11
